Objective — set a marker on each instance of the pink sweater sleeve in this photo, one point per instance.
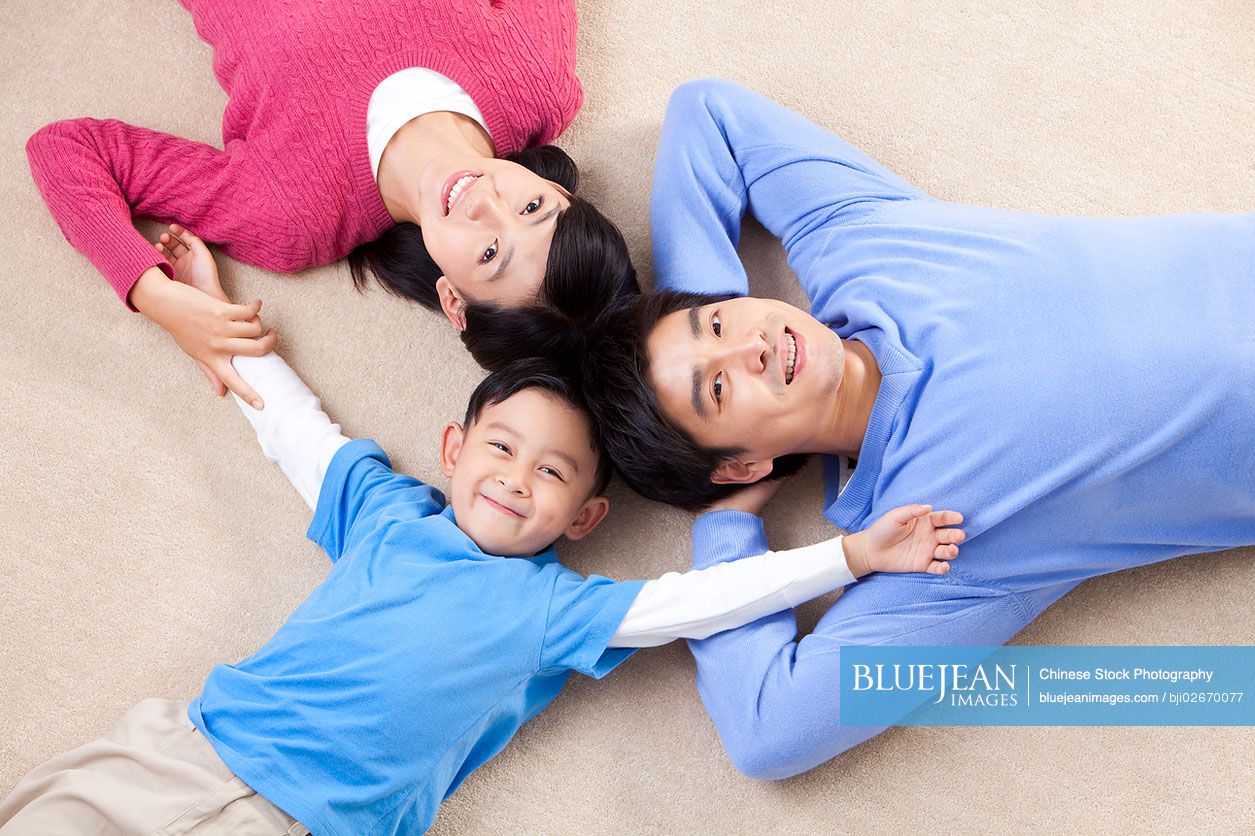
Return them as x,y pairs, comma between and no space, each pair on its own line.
94,174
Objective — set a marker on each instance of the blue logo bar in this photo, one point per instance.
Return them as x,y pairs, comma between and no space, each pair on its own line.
1048,686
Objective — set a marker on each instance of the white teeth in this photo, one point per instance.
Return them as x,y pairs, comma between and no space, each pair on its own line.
788,369
459,187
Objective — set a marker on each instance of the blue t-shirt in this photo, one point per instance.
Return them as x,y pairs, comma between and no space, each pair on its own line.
414,662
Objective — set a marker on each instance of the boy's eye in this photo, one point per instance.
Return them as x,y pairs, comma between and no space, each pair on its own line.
718,388
534,206
552,472
716,326
503,448
489,254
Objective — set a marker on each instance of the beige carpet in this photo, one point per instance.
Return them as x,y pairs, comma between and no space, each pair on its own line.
144,539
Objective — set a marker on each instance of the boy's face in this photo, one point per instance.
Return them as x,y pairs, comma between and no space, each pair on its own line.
522,474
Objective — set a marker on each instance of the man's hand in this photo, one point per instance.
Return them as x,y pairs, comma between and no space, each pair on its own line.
912,538
751,499
197,313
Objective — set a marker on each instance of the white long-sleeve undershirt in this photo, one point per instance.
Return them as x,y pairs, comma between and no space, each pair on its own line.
296,434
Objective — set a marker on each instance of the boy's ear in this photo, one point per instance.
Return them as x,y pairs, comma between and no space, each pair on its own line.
736,472
450,447
589,517
452,303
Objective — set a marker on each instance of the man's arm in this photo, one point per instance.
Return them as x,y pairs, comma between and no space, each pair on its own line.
725,149
775,699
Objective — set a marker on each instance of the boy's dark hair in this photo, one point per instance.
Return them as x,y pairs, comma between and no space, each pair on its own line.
588,260
535,373
659,461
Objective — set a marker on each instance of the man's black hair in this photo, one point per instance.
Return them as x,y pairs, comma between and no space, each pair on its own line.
588,260
658,460
535,373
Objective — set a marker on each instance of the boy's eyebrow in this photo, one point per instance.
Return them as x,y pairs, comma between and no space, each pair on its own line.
505,428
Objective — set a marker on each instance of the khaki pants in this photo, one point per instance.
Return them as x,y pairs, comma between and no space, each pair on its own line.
154,774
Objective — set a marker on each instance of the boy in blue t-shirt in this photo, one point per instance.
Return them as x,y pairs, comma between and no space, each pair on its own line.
440,630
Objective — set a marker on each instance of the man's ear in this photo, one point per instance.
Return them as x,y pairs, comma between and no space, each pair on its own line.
737,472
451,447
589,517
452,303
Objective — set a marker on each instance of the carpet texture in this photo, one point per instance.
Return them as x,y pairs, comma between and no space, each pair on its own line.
144,538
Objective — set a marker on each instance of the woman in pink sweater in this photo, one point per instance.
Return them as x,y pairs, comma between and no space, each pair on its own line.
459,98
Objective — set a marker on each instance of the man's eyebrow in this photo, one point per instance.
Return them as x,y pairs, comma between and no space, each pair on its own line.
699,400
694,324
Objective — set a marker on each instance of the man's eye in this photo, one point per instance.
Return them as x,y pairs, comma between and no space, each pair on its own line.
718,388
534,206
489,254
716,325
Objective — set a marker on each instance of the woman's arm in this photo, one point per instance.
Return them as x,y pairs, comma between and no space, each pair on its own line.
94,174
725,149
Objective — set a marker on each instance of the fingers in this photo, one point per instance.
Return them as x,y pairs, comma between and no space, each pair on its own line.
243,313
951,535
907,513
252,348
945,552
237,385
173,244
936,568
250,330
219,388
944,518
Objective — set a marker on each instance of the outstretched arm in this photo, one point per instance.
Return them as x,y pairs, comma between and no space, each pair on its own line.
725,149
705,601
292,429
775,699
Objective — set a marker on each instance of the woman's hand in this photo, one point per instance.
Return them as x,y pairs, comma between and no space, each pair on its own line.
912,538
195,311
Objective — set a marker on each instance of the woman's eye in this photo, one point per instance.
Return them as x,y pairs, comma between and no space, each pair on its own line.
716,325
718,388
534,206
489,254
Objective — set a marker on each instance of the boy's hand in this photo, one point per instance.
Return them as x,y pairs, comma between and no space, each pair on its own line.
195,311
913,538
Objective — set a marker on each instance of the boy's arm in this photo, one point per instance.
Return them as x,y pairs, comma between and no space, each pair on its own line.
292,430
702,602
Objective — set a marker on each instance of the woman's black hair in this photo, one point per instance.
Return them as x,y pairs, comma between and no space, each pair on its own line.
588,260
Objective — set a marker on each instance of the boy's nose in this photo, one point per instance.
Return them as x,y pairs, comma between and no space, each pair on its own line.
513,482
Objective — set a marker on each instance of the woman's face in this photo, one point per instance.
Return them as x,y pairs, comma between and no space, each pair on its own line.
488,224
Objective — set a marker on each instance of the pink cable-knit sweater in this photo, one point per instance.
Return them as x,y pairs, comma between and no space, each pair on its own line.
293,187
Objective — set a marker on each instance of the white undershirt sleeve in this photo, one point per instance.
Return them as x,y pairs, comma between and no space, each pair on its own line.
292,430
702,602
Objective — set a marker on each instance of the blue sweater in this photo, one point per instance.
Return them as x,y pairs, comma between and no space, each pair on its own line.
1082,389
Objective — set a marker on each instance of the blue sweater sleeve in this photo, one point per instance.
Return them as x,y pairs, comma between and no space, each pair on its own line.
725,149
776,699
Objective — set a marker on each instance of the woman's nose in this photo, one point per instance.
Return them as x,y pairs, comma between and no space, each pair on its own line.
485,203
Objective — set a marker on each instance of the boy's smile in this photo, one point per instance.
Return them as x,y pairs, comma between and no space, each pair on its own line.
522,474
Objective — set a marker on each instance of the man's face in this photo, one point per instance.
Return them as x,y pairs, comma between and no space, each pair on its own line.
754,374
522,474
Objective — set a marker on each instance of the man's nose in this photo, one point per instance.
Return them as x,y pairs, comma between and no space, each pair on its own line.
750,351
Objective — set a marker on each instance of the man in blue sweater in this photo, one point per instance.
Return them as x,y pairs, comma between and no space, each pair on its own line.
1081,389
